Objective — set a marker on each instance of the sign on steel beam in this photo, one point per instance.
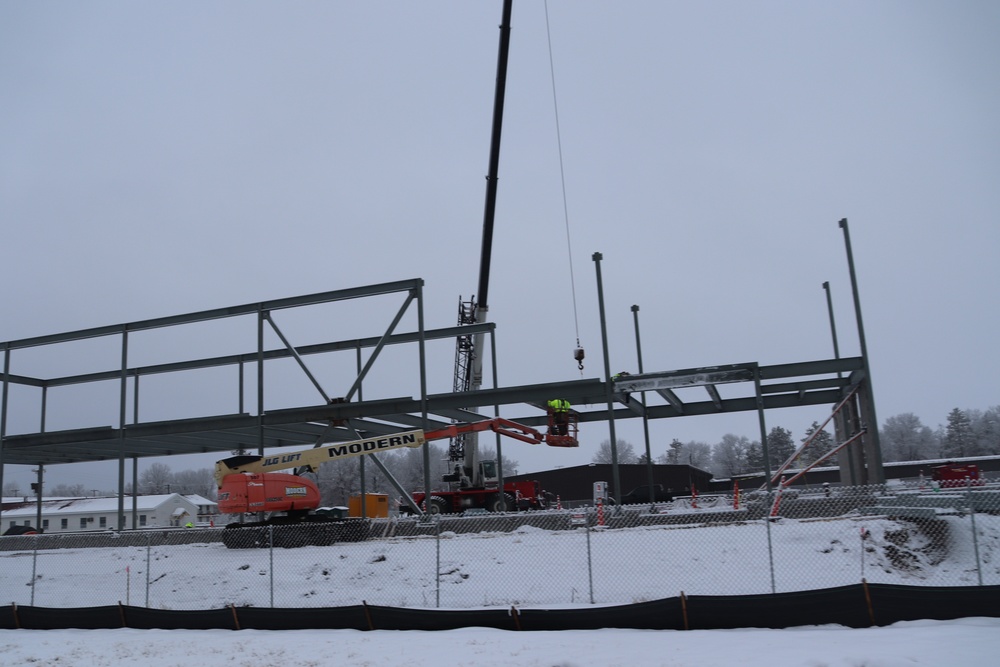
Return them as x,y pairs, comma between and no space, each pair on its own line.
697,377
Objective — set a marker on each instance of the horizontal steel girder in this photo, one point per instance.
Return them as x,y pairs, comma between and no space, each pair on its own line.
303,426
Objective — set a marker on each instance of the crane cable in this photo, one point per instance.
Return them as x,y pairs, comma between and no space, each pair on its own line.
578,352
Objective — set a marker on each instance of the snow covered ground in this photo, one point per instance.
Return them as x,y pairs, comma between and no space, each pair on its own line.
972,642
530,567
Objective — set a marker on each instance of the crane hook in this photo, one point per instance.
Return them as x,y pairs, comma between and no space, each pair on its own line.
578,356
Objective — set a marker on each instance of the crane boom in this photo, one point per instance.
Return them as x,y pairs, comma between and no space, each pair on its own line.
310,459
494,165
469,349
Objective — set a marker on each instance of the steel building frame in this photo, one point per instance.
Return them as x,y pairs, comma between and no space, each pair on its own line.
822,382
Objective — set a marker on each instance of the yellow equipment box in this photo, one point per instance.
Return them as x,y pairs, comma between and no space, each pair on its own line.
376,505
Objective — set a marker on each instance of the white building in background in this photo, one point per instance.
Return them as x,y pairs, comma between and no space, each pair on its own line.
70,515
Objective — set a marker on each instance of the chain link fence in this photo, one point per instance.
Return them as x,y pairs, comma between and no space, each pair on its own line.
710,545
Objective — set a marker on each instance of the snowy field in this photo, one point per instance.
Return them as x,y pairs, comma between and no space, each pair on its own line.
530,567
972,642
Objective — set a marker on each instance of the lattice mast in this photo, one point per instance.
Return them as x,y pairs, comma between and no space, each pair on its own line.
469,349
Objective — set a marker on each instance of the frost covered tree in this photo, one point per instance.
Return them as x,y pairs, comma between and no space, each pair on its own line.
626,452
904,438
958,437
986,430
200,482
338,481
820,445
729,456
72,491
510,466
755,457
673,455
780,446
697,454
156,479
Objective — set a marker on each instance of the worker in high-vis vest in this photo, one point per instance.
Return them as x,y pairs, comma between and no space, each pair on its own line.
559,409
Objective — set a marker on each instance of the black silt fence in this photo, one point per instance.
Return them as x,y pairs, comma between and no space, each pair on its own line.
857,606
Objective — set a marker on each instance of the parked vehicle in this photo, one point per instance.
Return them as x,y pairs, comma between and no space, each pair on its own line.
950,475
249,484
640,494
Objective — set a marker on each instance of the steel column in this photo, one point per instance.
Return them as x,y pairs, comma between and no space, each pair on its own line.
607,383
38,498
645,417
873,450
361,460
423,391
260,381
765,450
3,407
123,407
496,413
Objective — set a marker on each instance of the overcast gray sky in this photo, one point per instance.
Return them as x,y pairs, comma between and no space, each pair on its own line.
162,158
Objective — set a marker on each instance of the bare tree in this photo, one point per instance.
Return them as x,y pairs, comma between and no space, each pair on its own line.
986,430
696,454
673,455
155,479
509,465
71,491
626,452
904,438
200,482
729,456
338,481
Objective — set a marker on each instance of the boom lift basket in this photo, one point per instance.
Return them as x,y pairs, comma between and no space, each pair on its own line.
556,438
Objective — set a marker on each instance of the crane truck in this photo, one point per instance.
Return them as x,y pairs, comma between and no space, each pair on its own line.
479,481
479,487
249,483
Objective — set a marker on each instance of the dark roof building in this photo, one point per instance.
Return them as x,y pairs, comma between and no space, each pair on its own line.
577,483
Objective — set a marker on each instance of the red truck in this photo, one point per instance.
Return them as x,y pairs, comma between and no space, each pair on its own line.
951,475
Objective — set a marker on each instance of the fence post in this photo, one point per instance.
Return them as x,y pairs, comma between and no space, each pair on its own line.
34,567
590,563
437,563
770,546
270,550
149,548
975,537
864,536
